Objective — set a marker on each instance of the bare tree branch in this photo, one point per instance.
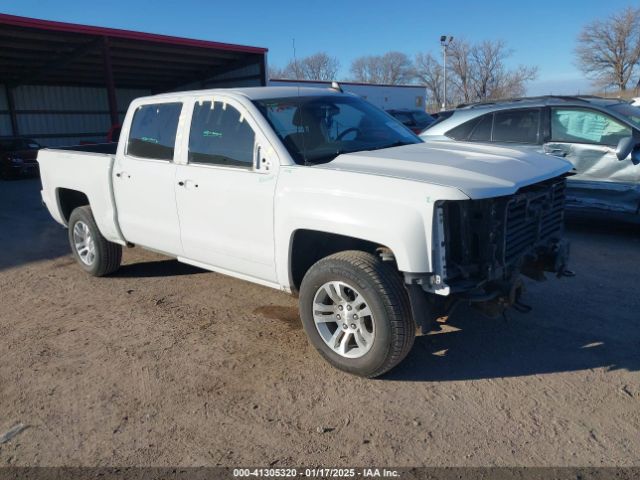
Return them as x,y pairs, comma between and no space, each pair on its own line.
459,61
475,72
428,71
319,66
392,68
609,50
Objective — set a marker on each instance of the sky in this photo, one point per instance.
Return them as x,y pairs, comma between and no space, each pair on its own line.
541,33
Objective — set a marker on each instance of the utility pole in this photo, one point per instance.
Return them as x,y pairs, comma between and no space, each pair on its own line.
444,42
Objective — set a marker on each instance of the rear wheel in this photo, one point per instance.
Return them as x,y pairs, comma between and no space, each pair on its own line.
355,311
95,254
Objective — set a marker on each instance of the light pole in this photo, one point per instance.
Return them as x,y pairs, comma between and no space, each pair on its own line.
445,42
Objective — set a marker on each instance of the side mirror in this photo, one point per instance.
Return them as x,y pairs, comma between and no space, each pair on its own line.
625,147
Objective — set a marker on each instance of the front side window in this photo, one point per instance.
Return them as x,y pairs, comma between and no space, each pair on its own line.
220,135
316,129
153,131
577,125
629,112
516,126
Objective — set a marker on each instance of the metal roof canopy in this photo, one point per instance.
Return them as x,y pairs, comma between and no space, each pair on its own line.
34,51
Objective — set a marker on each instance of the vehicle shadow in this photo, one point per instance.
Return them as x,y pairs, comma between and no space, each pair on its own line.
487,348
157,268
27,231
590,224
588,321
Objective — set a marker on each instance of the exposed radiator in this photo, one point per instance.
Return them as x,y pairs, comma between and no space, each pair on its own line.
487,237
532,217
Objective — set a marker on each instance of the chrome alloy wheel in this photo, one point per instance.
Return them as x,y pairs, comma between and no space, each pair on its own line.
84,243
343,319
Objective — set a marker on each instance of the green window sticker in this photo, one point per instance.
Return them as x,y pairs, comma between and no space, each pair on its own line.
211,133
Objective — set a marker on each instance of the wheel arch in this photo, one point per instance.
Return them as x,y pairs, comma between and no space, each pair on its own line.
307,246
68,200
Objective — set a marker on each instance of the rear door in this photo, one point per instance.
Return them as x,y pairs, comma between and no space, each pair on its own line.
588,139
144,179
225,192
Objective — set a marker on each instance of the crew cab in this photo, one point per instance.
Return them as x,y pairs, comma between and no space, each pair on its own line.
320,194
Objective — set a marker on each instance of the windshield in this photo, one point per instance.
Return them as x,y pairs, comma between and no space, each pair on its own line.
316,129
628,112
423,117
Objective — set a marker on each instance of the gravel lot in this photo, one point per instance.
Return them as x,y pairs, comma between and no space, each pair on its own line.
164,364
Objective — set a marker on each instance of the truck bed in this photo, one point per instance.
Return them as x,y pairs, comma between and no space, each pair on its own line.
85,169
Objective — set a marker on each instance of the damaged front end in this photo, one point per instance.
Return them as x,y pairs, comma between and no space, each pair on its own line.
481,248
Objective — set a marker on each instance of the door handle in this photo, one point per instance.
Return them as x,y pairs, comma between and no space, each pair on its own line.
122,174
188,184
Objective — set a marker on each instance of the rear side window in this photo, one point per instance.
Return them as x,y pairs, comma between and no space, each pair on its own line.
586,126
462,131
153,131
220,135
482,130
516,126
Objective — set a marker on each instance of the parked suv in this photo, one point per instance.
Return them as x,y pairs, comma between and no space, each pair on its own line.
598,136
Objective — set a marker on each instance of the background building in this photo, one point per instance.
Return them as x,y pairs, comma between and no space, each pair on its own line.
383,96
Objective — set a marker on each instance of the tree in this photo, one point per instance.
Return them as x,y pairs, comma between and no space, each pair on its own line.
475,72
392,68
609,50
319,66
428,72
490,77
459,62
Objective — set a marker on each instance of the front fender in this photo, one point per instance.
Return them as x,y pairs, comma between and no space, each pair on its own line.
395,213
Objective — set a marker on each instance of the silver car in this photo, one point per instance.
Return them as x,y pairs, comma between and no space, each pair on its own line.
600,137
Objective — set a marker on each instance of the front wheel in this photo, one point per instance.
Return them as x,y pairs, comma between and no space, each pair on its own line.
95,254
355,311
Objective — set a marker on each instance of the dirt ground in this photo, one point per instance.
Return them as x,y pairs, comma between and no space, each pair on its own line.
163,364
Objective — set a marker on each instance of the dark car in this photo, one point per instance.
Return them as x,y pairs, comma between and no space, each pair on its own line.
415,120
18,157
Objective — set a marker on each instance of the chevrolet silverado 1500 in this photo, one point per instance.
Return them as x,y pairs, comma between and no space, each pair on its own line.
322,195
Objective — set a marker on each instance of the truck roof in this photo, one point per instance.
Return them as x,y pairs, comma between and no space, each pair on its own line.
254,93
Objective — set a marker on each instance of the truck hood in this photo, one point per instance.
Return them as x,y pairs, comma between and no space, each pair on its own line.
477,170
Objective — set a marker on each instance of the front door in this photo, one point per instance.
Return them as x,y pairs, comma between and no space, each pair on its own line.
144,179
225,197
588,139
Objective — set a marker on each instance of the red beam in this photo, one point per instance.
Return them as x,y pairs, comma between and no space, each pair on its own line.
118,33
111,87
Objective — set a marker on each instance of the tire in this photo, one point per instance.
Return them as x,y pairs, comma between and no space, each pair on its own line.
100,257
386,330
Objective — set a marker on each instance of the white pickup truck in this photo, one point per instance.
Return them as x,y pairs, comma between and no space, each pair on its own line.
320,194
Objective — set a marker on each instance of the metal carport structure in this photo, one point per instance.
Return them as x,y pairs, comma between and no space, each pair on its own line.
41,59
